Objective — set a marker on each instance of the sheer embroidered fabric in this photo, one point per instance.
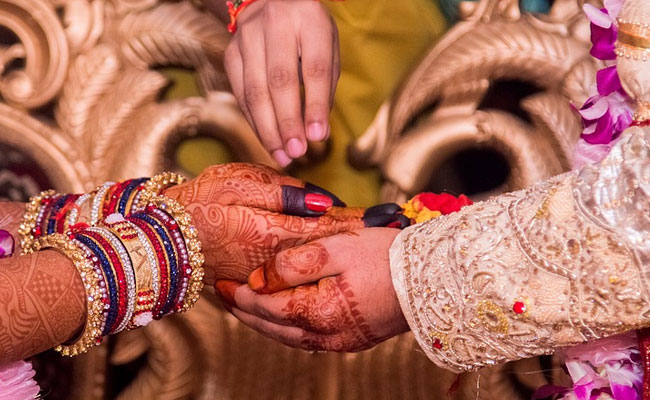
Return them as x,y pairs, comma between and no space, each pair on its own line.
561,263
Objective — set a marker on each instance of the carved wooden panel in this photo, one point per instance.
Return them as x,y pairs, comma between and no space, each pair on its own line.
444,105
81,104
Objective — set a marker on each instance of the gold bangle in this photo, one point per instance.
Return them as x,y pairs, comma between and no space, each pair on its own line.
145,268
155,186
192,242
92,333
28,223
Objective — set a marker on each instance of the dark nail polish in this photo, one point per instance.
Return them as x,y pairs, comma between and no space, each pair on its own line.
293,202
383,209
404,221
378,220
398,221
299,202
310,187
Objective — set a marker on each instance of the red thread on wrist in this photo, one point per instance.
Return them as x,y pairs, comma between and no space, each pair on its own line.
234,8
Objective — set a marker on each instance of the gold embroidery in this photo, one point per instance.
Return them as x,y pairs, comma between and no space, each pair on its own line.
493,317
542,212
580,264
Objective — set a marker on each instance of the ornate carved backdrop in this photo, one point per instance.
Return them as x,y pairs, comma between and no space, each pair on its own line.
498,80
81,104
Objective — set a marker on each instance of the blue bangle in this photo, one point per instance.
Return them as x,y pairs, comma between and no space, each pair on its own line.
126,194
108,273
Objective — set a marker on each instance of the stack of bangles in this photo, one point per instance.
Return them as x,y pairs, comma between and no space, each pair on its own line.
136,251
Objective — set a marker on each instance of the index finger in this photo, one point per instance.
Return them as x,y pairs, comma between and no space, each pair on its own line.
284,87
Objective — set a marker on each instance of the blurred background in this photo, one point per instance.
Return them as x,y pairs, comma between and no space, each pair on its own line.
435,95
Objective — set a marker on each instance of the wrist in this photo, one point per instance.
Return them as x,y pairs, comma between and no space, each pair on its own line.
237,7
179,194
174,192
137,254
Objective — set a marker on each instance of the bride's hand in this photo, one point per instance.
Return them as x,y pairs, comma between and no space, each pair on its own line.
246,213
332,294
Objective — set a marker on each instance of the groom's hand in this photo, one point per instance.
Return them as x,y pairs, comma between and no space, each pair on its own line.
332,294
245,214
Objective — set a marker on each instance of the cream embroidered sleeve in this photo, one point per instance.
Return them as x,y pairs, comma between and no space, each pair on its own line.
522,274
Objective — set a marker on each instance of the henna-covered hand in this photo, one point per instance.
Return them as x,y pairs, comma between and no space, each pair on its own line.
332,294
246,213
42,304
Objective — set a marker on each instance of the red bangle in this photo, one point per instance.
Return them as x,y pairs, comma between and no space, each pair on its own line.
118,271
163,272
234,8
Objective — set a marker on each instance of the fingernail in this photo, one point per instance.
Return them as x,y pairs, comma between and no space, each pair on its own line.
377,220
383,209
404,221
398,221
394,224
295,148
318,202
226,289
256,280
315,132
281,158
310,187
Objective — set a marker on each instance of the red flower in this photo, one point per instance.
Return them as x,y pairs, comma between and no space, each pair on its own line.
443,202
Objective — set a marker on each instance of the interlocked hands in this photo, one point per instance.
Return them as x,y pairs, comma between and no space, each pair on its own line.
318,275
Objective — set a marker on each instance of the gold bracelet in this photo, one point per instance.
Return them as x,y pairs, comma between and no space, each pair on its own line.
192,242
155,186
92,333
30,217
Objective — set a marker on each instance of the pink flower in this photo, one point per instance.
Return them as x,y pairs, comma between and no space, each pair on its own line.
608,111
614,7
6,244
605,117
603,32
17,382
607,366
599,352
586,153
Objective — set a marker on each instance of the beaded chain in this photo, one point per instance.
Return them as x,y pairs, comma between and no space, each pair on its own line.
137,252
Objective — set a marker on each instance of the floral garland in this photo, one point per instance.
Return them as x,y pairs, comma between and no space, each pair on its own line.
426,206
609,110
16,379
610,368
